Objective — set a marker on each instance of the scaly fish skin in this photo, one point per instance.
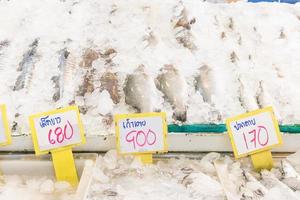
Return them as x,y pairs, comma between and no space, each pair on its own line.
140,91
289,175
204,83
109,81
174,87
26,67
58,80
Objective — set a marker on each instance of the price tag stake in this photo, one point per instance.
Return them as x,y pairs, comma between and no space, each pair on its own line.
141,134
5,135
57,132
255,134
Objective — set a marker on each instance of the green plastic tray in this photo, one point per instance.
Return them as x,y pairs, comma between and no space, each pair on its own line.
220,128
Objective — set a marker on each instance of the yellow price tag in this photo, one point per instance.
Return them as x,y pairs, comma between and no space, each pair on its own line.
255,133
141,134
5,135
57,132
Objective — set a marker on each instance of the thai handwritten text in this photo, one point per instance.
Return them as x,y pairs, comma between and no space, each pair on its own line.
47,121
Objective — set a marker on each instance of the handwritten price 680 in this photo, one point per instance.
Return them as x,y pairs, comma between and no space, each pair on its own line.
259,136
140,138
59,135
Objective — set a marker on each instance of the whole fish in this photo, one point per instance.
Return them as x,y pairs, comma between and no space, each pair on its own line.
277,189
87,85
140,91
247,100
264,98
228,185
204,83
26,67
207,163
64,79
174,87
237,183
109,81
288,175
58,80
182,27
201,185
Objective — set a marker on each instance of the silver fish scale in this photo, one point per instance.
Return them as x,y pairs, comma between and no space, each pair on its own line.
58,80
26,67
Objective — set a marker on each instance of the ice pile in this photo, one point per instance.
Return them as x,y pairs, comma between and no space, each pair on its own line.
34,188
127,178
199,62
213,177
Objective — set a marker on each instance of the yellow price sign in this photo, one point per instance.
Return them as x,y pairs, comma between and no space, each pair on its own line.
141,134
5,135
254,133
57,131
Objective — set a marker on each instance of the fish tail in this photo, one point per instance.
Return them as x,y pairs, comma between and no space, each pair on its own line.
180,115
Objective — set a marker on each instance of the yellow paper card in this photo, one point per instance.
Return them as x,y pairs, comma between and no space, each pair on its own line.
56,130
141,133
253,132
5,135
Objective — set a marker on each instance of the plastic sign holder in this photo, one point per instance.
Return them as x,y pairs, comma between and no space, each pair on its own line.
57,132
141,135
254,134
5,135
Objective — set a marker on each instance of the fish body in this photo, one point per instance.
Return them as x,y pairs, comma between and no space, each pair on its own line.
201,185
87,85
229,186
247,100
207,163
109,81
263,97
64,78
182,27
140,91
88,58
174,87
277,189
204,83
58,80
238,183
26,67
288,175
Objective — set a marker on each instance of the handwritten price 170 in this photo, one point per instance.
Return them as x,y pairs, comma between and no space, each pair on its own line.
257,136
140,138
60,135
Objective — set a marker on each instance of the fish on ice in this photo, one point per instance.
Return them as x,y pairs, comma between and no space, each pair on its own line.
174,87
140,91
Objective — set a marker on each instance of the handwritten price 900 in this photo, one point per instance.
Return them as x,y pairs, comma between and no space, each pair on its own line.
140,138
259,136
59,135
